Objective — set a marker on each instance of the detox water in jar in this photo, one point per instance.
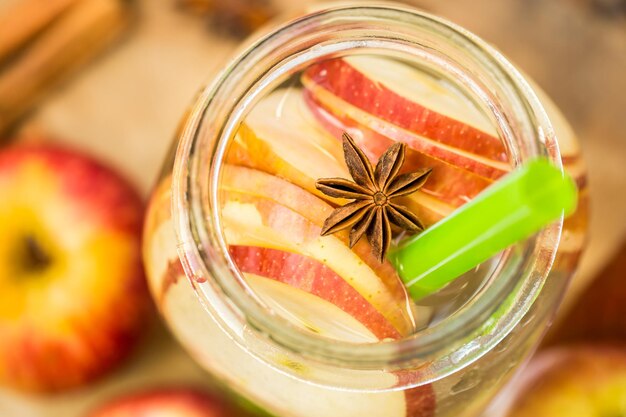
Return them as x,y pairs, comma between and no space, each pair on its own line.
292,303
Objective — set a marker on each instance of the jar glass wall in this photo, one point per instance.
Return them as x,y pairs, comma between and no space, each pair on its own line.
239,185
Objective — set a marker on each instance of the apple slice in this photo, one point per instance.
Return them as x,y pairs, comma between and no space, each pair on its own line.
250,182
311,312
254,221
450,184
308,310
443,113
310,276
288,396
281,136
368,90
260,184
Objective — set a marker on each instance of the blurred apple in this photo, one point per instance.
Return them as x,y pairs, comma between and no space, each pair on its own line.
173,402
574,382
72,291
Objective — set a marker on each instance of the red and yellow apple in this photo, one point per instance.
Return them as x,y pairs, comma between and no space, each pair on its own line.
72,291
583,381
170,402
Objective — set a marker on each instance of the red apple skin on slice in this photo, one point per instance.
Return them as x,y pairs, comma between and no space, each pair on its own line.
329,82
447,182
248,183
314,277
254,221
288,143
374,134
336,83
267,143
420,401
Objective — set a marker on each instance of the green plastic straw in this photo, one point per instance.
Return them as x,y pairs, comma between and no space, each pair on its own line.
512,209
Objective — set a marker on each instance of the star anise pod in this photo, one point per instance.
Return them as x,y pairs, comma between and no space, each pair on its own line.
372,211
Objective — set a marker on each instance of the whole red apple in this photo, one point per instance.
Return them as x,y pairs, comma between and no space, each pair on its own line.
170,402
583,381
72,291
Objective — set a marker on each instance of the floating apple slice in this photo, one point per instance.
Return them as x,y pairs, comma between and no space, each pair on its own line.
281,137
260,184
450,184
307,275
291,144
441,107
260,222
311,312
363,93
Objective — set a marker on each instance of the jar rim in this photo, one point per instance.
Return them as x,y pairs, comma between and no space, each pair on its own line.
452,344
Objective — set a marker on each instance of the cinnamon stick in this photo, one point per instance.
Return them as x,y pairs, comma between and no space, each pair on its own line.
75,36
22,20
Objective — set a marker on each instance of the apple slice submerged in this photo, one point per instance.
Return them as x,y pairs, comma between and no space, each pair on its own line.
252,182
309,310
447,183
281,137
407,106
263,223
293,145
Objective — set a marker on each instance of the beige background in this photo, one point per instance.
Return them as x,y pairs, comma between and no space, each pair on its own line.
124,109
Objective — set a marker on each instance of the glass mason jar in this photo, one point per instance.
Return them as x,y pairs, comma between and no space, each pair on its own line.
449,366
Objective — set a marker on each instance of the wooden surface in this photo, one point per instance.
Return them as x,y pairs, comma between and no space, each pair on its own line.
124,108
